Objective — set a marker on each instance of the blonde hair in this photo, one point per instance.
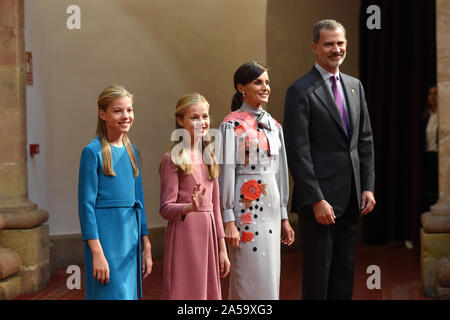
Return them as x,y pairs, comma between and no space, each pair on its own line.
184,163
104,100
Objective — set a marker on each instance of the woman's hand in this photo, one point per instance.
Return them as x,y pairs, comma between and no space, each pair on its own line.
232,235
287,234
147,262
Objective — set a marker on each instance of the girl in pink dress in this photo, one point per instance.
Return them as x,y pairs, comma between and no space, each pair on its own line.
195,255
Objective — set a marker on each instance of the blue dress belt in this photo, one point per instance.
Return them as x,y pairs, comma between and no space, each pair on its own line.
137,205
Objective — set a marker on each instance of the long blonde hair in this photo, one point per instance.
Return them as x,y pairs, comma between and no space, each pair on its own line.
185,164
104,100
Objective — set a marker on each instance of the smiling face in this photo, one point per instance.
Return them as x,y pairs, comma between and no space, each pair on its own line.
118,116
256,92
330,49
195,120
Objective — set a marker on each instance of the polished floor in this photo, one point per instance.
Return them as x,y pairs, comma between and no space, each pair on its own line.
399,269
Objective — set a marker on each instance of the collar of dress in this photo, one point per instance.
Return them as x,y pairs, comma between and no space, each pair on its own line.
262,117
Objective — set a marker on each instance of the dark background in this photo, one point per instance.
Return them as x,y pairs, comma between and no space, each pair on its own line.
397,66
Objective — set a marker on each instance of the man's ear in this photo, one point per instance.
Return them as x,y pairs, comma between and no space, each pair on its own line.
314,47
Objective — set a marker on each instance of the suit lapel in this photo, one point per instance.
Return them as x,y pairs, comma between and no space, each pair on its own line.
324,95
352,100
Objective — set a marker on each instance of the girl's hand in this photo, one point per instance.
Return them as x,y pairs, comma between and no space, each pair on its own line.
287,234
232,234
224,263
198,196
147,262
101,268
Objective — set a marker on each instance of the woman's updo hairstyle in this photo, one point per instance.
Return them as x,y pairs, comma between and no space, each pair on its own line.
243,75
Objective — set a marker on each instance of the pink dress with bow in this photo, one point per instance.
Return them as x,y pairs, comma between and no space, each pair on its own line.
191,254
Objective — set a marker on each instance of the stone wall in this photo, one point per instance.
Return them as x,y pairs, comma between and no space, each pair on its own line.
24,245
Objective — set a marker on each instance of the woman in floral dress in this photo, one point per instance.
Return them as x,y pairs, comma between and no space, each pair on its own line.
254,188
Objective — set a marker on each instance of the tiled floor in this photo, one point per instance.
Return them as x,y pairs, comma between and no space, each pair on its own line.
400,277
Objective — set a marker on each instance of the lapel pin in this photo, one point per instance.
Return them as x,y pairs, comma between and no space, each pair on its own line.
353,91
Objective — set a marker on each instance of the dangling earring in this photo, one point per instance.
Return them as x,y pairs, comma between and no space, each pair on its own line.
243,94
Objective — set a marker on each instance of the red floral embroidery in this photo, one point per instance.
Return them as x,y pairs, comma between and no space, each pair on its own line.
244,116
252,134
247,202
263,188
251,190
245,123
246,218
241,128
246,236
263,141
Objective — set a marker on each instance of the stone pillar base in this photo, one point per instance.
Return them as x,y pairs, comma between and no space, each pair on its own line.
32,245
35,279
10,287
10,263
434,246
443,293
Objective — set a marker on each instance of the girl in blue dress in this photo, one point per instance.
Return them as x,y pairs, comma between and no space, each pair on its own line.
117,249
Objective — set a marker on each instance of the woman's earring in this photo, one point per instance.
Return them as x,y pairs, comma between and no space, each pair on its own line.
243,94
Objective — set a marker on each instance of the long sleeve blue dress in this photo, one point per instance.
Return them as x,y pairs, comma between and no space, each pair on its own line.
112,210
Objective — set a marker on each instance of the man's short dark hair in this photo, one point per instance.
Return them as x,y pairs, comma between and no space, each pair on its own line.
328,24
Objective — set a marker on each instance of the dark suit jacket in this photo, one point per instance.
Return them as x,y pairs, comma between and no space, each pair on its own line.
322,159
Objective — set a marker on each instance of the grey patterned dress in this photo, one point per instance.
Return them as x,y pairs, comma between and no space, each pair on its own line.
254,192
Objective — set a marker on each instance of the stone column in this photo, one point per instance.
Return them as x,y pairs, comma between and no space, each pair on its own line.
23,238
435,237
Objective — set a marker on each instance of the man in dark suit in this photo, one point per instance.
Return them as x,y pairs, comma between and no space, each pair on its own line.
330,155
